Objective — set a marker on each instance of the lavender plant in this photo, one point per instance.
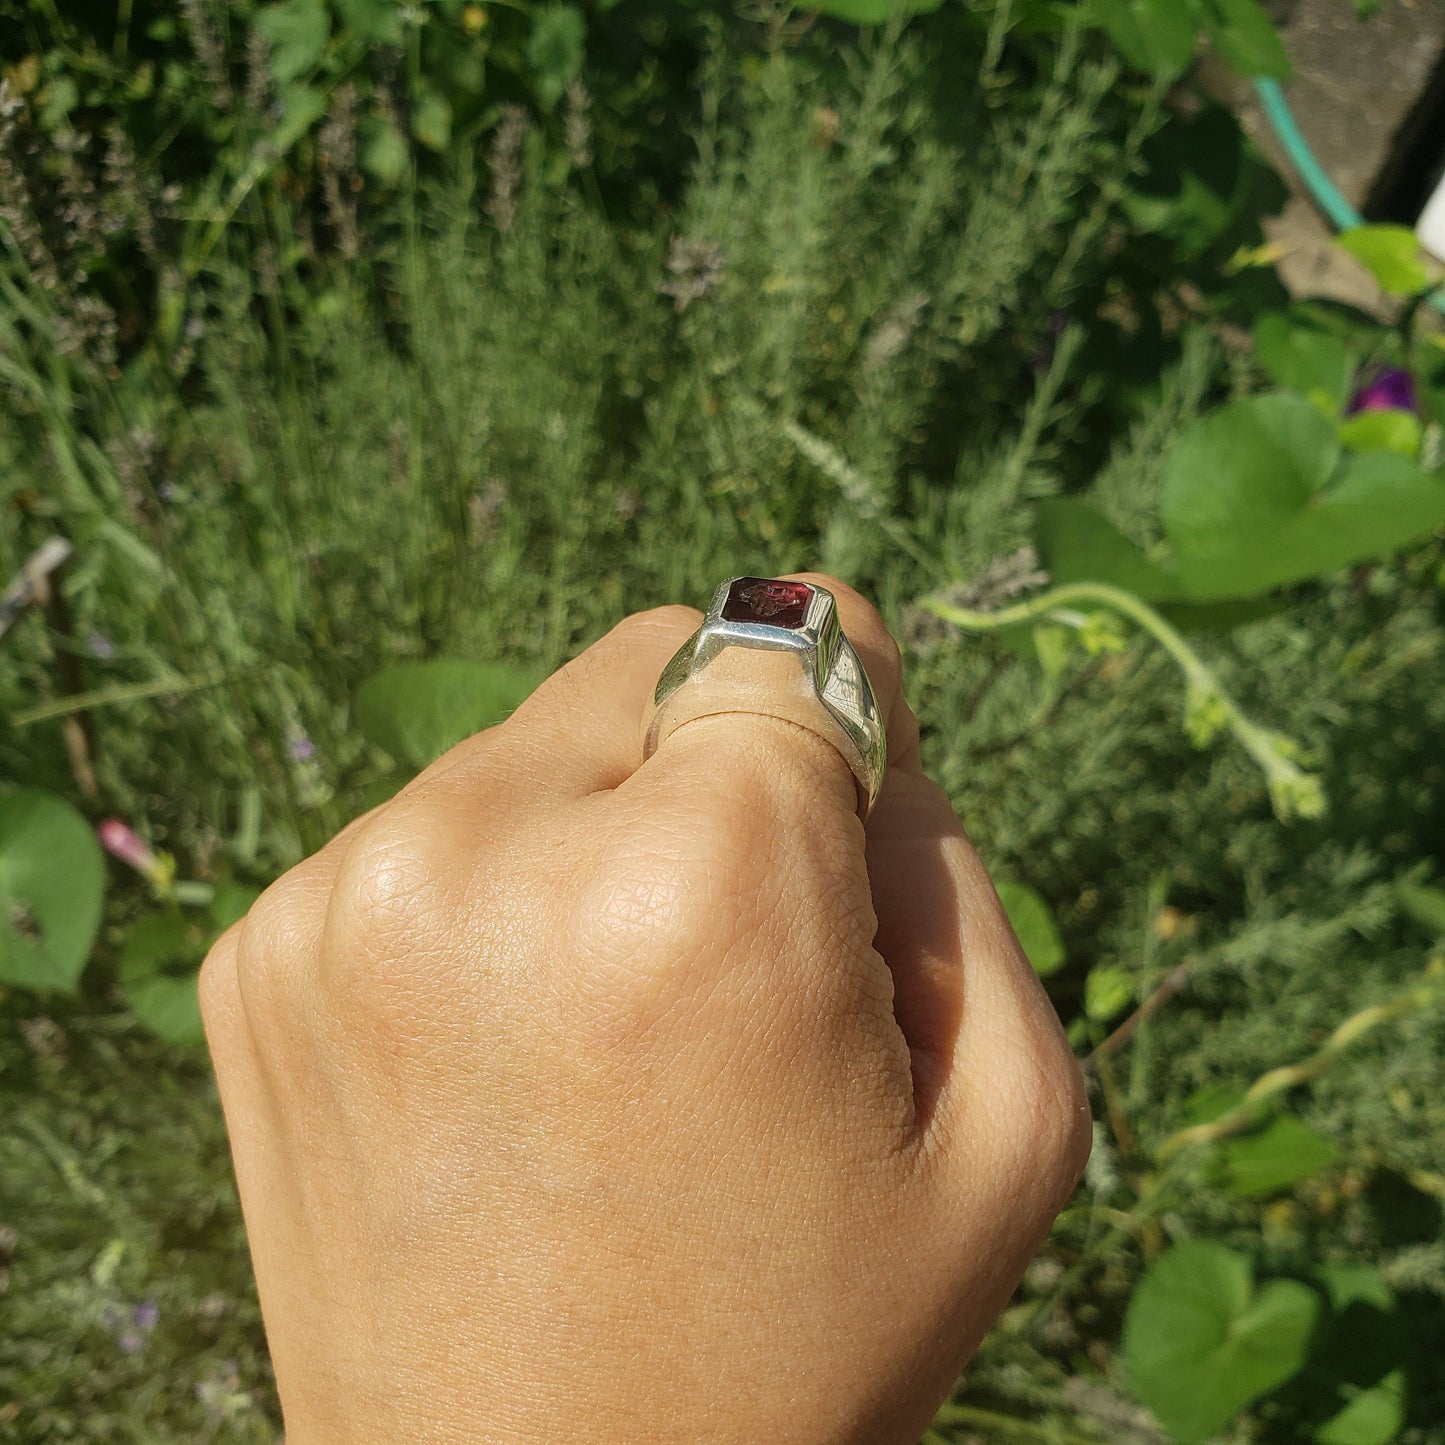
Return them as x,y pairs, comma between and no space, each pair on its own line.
926,311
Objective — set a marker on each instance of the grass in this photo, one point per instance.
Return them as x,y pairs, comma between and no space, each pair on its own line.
495,439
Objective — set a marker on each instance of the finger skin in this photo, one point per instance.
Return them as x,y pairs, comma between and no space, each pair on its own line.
563,1074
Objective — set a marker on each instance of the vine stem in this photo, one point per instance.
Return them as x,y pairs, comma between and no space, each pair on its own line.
1210,706
1426,991
1001,1424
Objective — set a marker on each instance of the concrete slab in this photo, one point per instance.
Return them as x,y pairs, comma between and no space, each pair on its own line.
1356,92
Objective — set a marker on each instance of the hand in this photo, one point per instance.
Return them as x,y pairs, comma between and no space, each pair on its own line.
576,1098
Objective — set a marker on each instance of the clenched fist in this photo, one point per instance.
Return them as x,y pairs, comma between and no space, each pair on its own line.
578,1097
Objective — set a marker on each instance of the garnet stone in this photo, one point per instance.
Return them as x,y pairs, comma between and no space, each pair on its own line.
761,599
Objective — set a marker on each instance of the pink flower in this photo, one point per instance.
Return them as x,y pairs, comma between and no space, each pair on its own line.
121,841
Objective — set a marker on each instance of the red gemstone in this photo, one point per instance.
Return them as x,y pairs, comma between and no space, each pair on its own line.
762,599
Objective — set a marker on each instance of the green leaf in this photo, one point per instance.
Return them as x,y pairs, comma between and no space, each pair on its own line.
555,49
301,107
1383,431
1424,904
1374,1415
52,884
231,902
1256,497
1245,36
158,966
378,22
56,102
298,31
431,122
1304,357
874,12
417,710
1391,254
1108,990
1155,36
1272,1158
169,1007
1076,544
1211,1102
1034,924
1201,1342
1349,1284
384,151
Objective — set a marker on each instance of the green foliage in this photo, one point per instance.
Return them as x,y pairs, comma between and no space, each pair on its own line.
1154,37
1203,187
417,710
52,879
1300,354
1108,991
1034,923
1159,36
1273,1156
1424,904
161,954
891,309
1257,496
1392,256
555,48
1201,1341
1399,432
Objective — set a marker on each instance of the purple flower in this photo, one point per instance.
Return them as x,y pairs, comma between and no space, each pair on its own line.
302,748
1390,389
99,646
122,841
132,1327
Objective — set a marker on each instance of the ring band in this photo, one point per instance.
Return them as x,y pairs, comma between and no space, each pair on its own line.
775,647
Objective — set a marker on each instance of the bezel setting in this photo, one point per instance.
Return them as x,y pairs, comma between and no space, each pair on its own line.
805,671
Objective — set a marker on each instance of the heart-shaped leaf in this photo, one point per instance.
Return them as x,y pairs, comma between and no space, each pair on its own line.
169,1007
1201,1342
1076,544
1302,356
555,49
378,22
1272,1158
1034,924
1155,36
52,883
159,962
1354,1361
1245,36
297,31
1257,496
417,710
1391,254
1374,1415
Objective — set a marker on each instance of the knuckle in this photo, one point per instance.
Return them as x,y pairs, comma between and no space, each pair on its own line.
642,632
388,902
217,986
673,620
1061,1128
657,921
270,942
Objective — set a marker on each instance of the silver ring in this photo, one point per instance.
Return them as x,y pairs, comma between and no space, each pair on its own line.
775,647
